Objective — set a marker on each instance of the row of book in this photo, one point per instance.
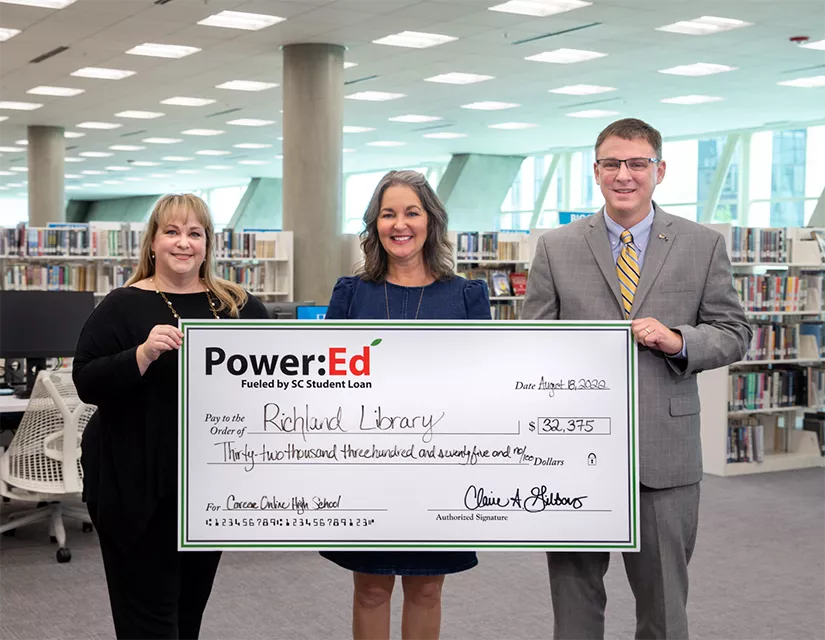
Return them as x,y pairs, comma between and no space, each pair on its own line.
500,282
492,245
746,440
768,389
253,278
102,239
122,240
503,312
786,341
780,293
750,244
101,278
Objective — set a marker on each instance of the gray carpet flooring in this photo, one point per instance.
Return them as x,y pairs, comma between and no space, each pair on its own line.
758,572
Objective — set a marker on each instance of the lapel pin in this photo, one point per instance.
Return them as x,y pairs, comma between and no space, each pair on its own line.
662,236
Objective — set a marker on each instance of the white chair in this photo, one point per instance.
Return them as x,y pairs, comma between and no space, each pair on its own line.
42,464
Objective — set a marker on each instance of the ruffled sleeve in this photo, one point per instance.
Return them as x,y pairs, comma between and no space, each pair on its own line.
341,299
477,300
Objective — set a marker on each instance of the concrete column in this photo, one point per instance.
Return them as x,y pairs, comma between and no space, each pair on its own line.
46,152
313,98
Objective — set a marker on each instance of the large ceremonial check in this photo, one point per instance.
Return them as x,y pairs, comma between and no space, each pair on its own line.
408,435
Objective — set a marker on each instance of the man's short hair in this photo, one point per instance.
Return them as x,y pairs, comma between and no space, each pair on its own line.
632,129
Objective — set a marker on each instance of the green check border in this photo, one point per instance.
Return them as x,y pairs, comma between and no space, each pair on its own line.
183,398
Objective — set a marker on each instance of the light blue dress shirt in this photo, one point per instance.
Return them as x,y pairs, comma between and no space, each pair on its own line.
641,236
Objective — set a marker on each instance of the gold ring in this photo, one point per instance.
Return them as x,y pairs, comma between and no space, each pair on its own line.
648,331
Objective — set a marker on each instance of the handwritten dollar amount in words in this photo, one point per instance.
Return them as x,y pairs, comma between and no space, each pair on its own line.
570,426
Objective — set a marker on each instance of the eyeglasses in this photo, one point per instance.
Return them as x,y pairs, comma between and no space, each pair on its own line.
634,164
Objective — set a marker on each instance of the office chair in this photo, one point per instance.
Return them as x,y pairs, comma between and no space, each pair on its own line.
42,463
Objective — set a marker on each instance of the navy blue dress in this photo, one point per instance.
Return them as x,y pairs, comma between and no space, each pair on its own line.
454,299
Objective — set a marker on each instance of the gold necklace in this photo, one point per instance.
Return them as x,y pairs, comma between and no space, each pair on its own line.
387,301
172,309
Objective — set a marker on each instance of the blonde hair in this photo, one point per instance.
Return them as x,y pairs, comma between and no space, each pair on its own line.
231,296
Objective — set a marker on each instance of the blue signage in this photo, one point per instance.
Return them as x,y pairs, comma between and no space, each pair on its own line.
566,217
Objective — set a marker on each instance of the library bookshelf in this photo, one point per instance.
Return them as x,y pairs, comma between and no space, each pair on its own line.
765,413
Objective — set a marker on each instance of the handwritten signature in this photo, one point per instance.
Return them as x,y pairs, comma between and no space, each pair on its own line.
538,500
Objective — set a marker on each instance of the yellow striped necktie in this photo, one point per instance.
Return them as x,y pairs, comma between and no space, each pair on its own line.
628,270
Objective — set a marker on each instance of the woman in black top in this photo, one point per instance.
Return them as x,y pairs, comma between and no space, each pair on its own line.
126,363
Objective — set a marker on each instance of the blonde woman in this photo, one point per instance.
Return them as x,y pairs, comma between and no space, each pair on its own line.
126,364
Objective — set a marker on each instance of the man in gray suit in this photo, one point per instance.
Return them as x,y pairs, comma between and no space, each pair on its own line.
672,279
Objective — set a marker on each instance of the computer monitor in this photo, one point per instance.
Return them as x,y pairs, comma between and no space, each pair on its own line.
36,325
285,310
311,312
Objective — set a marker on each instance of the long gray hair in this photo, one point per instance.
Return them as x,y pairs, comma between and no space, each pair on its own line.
438,251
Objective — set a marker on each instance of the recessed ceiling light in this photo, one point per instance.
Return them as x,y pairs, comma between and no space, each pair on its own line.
693,99
490,106
280,156
375,96
350,65
252,145
182,101
805,83
73,134
46,4
202,132
73,159
351,129
240,20
145,163
6,34
246,85
65,92
566,56
414,118
96,154
819,44
539,8
116,168
386,143
3,118
445,135
697,69
512,126
592,113
19,169
415,39
93,172
102,74
458,78
218,167
126,147
212,152
704,25
90,184
71,176
582,89
250,122
10,149
162,140
253,162
134,179
140,115
177,158
155,50
23,143
187,171
20,106
158,175
99,125
71,187
112,182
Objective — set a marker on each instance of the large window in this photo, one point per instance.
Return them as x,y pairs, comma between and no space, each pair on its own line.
222,202
788,178
13,211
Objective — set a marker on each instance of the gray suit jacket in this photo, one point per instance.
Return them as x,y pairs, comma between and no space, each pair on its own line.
686,284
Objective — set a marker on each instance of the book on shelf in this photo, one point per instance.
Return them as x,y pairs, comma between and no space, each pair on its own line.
816,422
506,246
774,389
746,440
518,282
500,284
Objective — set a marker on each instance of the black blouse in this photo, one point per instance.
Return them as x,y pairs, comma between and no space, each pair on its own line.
129,449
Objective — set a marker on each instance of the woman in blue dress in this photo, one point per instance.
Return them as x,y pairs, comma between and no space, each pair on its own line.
407,275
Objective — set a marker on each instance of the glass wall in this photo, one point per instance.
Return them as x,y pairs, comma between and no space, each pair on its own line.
13,211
